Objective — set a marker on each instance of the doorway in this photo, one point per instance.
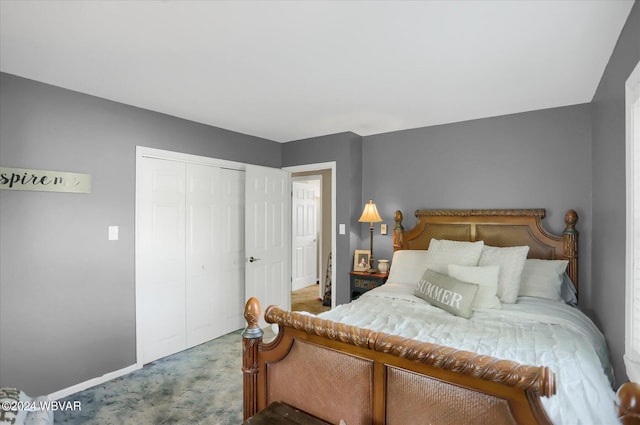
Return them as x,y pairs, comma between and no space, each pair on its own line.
322,174
306,228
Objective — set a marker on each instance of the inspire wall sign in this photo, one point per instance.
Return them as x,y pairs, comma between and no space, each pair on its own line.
44,180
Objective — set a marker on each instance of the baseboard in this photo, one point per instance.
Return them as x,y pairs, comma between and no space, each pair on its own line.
93,382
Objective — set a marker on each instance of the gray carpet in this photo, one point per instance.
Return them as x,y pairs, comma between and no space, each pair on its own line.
202,385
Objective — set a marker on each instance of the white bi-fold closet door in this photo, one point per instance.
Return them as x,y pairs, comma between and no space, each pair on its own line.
190,254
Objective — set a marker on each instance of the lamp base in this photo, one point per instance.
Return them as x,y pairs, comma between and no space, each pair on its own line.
371,269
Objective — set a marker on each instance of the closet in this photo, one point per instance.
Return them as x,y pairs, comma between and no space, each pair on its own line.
189,254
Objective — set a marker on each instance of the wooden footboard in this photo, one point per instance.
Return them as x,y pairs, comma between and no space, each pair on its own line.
339,372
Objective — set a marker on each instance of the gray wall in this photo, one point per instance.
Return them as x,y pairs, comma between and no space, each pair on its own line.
346,150
609,198
66,292
539,159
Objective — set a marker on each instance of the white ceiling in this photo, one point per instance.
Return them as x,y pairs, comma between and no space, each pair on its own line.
288,70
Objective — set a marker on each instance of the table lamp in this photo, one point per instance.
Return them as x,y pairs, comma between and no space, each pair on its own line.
370,215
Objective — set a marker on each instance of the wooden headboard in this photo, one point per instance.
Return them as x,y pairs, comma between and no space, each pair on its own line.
500,228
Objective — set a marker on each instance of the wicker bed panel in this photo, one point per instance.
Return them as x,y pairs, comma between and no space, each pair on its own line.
456,232
514,236
417,399
296,381
491,234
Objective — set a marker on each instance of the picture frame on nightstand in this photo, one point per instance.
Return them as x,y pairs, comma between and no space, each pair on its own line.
361,259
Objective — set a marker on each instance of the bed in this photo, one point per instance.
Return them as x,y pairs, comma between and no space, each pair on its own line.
394,356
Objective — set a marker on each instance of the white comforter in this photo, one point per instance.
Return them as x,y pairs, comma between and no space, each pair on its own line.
532,331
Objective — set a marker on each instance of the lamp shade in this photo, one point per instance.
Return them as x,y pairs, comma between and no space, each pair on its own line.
370,214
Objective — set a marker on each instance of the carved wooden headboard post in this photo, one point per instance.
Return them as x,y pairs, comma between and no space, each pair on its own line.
398,231
570,240
251,339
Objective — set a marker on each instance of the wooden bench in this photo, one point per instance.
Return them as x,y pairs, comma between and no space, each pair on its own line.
278,413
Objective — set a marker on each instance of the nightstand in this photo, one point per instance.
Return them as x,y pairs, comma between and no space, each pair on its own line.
361,282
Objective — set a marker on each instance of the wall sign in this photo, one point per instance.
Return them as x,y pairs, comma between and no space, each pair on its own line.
44,181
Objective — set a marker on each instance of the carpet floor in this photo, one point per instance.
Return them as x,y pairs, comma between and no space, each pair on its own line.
201,385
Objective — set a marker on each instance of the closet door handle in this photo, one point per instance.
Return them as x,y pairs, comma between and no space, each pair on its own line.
253,259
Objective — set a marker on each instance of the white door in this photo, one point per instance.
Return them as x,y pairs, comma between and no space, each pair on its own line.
232,246
203,288
215,252
304,225
267,236
160,279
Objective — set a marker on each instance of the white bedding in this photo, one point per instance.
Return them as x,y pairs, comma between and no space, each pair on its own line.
532,331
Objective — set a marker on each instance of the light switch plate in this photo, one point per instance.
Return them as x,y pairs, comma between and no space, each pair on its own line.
383,229
342,229
113,233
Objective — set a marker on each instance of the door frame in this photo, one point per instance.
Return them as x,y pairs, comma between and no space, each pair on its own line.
632,141
316,167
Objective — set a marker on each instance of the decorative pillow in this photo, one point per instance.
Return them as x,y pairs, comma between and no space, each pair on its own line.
543,279
487,280
445,252
511,261
10,397
448,293
438,268
568,291
407,266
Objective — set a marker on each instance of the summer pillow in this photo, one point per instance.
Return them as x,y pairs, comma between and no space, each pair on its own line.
407,266
449,294
543,279
443,252
511,261
487,279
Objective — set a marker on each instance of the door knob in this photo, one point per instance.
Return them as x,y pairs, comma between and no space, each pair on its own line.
253,259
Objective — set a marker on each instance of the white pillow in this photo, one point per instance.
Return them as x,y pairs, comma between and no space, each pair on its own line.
445,252
439,268
485,277
543,279
568,291
407,266
511,261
